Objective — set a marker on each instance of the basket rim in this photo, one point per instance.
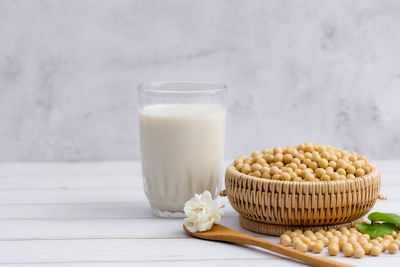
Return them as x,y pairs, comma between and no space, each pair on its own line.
369,176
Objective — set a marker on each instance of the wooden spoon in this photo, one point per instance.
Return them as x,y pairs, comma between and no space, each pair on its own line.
222,233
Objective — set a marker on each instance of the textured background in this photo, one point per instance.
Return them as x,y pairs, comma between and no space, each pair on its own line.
319,71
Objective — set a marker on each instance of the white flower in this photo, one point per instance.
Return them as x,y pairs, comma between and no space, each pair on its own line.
202,212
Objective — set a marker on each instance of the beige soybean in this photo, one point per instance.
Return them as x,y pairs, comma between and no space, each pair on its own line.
385,244
328,235
296,240
348,250
341,244
308,233
310,245
353,230
301,247
325,240
319,235
361,240
388,237
337,234
333,249
393,248
374,242
334,239
359,253
292,235
285,240
257,174
375,251
318,246
367,247
313,238
366,236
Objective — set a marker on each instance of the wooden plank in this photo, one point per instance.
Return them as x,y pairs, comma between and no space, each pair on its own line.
79,211
110,211
74,211
15,183
23,176
107,195
225,262
103,168
102,229
101,203
20,176
66,196
143,250
50,222
367,261
215,262
121,250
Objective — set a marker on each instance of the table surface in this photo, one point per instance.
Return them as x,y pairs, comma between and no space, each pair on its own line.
96,214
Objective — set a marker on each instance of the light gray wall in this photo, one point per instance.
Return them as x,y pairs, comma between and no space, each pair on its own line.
319,71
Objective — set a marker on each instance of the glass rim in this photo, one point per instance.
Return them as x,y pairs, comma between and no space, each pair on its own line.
205,87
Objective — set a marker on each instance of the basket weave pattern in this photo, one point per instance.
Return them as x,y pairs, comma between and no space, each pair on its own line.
301,203
277,230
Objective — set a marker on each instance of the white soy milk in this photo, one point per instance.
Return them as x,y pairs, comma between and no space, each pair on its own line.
182,147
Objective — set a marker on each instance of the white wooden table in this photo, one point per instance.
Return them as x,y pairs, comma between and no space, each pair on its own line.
96,214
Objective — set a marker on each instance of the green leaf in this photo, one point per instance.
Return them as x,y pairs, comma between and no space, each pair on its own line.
384,217
375,230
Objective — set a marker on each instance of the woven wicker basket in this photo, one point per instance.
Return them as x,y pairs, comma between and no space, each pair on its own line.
279,205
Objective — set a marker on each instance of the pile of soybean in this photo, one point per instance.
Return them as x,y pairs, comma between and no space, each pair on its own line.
349,241
305,162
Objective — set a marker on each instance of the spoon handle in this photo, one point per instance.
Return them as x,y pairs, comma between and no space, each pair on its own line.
240,238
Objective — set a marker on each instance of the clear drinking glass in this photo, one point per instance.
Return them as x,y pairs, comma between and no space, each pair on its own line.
182,134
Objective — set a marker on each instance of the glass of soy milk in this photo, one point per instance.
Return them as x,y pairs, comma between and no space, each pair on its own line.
182,133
